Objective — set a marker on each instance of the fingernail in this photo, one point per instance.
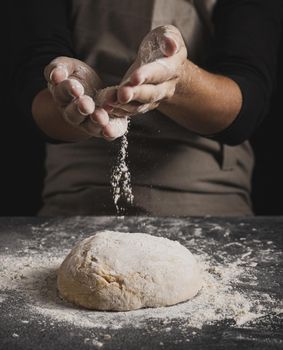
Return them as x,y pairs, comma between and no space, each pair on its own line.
129,98
166,46
76,86
136,81
125,97
107,138
63,69
93,121
51,74
81,112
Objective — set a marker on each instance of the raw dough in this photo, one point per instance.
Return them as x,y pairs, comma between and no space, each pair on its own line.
127,271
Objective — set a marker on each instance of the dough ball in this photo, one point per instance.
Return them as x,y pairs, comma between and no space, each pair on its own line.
126,271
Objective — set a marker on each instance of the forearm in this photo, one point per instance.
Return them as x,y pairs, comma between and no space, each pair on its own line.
203,102
50,119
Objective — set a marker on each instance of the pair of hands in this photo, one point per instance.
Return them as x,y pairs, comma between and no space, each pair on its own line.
153,77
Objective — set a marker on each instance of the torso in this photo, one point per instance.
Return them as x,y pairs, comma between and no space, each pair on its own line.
163,156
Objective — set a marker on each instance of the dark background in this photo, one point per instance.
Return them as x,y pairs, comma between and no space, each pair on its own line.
22,154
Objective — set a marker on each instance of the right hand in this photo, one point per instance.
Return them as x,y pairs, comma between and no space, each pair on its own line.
73,85
153,76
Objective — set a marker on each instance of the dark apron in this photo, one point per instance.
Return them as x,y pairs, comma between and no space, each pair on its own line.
174,171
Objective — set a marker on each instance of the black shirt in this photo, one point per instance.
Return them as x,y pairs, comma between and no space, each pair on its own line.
244,48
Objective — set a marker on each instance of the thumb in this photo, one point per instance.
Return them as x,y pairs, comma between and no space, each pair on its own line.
58,70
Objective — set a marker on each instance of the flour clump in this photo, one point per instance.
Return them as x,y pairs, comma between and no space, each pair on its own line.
126,271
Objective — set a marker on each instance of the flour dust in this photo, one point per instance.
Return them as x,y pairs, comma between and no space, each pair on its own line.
121,178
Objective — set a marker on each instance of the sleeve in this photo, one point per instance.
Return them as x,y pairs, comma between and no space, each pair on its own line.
40,33
246,40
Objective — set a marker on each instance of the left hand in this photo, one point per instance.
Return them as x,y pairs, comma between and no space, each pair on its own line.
154,75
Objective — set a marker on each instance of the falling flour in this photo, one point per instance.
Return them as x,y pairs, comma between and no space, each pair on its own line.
121,177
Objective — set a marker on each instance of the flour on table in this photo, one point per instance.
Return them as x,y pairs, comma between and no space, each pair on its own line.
30,275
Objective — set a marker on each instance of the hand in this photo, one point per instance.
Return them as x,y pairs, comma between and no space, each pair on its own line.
154,75
73,85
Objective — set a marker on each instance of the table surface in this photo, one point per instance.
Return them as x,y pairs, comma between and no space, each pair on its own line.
253,245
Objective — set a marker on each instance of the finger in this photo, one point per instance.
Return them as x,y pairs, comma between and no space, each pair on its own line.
172,40
161,41
154,73
140,108
59,69
169,47
91,128
72,115
147,93
160,70
106,96
146,107
129,108
85,105
100,117
75,113
115,128
119,113
66,91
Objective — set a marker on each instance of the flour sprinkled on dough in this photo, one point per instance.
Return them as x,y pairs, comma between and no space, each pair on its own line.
127,271
28,275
